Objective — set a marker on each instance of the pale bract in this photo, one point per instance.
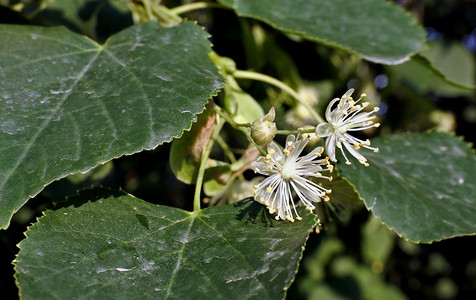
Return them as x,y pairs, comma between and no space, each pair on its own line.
346,117
288,175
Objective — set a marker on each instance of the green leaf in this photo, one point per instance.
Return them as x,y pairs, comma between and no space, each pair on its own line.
377,30
120,247
455,63
69,104
422,75
420,185
377,243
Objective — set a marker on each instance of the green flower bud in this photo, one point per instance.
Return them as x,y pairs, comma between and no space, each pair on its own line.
263,130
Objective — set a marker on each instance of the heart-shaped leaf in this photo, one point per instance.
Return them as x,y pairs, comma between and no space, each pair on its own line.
122,247
377,30
420,185
69,104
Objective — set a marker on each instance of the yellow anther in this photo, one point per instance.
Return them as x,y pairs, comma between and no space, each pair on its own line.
268,157
276,218
376,109
338,145
327,199
286,151
363,95
370,122
329,191
348,163
289,219
330,167
269,190
299,218
377,125
356,146
256,186
331,178
376,150
269,168
271,152
367,142
366,164
365,104
255,192
318,174
339,105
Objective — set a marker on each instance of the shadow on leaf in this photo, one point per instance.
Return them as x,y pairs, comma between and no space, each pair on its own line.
253,212
89,195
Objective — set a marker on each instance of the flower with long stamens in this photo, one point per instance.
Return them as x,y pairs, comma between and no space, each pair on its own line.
287,175
346,117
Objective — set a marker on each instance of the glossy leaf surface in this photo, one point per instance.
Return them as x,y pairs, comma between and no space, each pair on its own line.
118,246
377,30
420,185
69,104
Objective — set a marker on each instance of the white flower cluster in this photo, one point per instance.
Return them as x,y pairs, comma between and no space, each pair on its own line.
289,174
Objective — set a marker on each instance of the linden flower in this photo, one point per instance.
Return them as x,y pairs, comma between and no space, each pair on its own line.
286,173
347,116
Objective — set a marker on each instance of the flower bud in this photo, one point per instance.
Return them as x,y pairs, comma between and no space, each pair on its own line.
263,130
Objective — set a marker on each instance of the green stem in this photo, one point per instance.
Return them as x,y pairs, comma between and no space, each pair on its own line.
194,6
203,164
226,149
229,119
288,132
229,154
165,15
279,84
243,127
